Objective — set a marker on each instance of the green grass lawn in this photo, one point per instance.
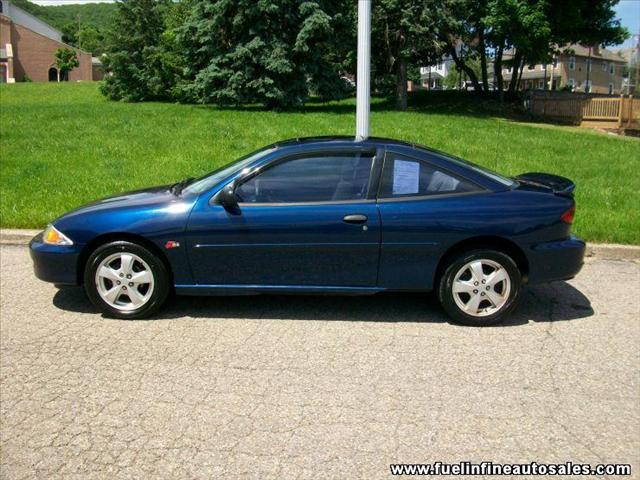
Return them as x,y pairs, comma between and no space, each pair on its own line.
62,145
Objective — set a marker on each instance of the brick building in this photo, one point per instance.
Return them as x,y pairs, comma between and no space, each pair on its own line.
28,46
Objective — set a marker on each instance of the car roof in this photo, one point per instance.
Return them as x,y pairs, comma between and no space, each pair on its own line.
348,141
341,139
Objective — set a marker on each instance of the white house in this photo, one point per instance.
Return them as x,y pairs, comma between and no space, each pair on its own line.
433,75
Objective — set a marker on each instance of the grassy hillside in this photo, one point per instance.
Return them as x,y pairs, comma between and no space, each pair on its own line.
62,145
99,15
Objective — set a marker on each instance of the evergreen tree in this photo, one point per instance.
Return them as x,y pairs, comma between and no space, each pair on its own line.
260,51
137,57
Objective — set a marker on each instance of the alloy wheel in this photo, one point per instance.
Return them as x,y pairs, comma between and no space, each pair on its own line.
481,287
124,281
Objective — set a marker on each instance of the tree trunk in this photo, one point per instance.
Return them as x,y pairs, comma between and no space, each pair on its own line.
465,68
517,59
497,71
483,59
520,74
401,84
58,74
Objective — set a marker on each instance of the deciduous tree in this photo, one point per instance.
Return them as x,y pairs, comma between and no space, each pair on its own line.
530,30
403,35
90,39
66,60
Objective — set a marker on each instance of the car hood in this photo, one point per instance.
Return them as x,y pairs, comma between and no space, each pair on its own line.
153,198
154,213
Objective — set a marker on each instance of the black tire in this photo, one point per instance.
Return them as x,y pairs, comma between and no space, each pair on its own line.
446,295
161,280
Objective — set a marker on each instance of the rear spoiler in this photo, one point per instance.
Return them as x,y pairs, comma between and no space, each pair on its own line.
558,185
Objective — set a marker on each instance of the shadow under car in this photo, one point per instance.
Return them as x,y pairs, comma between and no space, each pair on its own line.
558,301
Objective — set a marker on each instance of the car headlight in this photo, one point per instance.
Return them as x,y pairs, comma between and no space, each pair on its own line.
53,236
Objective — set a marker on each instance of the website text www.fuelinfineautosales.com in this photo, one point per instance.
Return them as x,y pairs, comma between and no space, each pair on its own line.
490,468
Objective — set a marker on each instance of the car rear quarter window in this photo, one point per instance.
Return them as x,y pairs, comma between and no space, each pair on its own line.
335,178
409,177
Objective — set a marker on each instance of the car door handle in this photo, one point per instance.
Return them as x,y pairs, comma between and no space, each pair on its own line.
355,219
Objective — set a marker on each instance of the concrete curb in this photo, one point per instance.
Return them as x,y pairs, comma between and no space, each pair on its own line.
602,251
11,236
612,251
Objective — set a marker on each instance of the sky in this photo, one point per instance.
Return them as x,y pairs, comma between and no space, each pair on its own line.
627,10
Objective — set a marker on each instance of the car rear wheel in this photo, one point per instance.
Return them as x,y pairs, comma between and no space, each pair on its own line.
125,280
480,287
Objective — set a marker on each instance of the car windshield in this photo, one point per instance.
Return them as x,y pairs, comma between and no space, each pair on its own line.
211,179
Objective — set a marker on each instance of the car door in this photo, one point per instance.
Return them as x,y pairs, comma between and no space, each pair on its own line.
423,208
304,220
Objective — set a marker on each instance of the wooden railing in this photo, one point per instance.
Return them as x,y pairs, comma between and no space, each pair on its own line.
601,109
609,111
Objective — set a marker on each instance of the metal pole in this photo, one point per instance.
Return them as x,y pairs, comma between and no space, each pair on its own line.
363,100
635,88
587,88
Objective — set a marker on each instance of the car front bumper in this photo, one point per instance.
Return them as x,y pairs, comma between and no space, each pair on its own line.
55,263
559,260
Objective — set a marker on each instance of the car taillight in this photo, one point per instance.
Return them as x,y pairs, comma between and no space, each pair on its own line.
567,217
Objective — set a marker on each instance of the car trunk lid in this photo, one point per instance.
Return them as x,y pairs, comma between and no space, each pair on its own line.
548,182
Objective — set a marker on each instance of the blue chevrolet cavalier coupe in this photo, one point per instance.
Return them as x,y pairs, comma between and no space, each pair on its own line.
326,215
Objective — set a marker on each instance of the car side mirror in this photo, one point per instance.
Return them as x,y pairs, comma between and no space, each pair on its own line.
228,199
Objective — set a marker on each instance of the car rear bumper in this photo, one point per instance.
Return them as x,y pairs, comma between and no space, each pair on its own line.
559,260
53,263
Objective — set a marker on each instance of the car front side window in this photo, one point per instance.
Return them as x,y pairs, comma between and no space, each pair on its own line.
409,177
322,178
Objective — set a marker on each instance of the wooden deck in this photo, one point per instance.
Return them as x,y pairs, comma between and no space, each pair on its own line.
597,112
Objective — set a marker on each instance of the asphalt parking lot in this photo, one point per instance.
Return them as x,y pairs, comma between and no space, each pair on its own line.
320,387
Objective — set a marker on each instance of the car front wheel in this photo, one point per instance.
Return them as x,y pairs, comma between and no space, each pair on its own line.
480,287
125,280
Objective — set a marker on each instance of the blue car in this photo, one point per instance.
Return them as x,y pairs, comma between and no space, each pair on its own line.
322,216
